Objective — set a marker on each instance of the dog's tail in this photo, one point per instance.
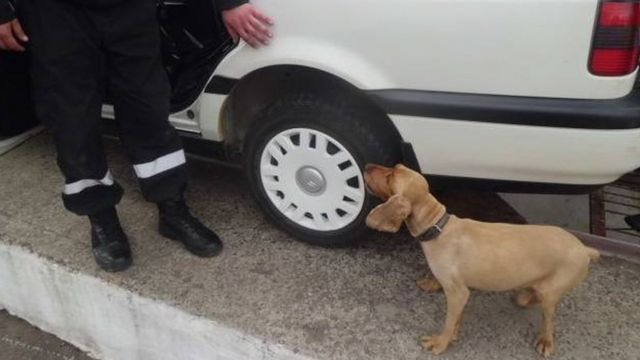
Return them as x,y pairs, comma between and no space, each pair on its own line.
593,254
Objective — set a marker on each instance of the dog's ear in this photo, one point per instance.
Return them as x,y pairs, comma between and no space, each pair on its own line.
388,217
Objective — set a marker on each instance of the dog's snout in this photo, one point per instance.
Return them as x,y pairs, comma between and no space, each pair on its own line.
375,178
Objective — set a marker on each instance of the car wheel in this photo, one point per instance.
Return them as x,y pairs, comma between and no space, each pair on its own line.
304,159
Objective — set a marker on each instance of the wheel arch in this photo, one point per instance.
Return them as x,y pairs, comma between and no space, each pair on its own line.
254,92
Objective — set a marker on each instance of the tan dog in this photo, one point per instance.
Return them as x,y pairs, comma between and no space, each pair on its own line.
543,262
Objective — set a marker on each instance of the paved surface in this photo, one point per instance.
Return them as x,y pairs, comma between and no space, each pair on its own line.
356,303
21,341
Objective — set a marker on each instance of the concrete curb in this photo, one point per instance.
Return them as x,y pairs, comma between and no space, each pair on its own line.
111,323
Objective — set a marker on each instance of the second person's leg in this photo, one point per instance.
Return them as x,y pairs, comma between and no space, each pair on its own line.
140,89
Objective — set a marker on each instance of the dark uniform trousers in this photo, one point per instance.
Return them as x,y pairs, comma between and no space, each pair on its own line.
78,52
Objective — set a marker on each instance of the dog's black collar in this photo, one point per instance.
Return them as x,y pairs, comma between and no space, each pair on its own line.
435,231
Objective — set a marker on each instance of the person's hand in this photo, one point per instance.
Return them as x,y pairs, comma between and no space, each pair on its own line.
11,34
246,22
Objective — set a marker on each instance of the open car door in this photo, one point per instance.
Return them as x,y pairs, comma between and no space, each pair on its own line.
16,110
194,41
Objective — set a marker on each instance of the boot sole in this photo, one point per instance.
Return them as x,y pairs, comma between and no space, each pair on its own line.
170,234
115,267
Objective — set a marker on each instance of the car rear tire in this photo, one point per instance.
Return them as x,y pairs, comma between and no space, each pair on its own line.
304,158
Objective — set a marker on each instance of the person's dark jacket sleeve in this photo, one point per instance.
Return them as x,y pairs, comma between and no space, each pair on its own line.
6,12
225,4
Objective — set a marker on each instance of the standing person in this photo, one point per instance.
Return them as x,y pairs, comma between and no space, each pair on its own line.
79,48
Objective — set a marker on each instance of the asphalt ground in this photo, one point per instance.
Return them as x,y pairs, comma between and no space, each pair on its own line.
339,304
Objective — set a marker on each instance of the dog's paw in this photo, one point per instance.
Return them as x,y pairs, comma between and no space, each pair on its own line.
437,344
429,284
545,347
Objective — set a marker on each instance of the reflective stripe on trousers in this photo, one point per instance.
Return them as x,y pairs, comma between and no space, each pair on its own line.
160,165
81,185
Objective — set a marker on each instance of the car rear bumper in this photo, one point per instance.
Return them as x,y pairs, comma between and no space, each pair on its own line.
533,154
622,113
553,141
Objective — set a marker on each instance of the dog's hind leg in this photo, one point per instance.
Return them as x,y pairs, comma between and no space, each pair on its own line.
429,284
457,297
526,298
545,345
550,291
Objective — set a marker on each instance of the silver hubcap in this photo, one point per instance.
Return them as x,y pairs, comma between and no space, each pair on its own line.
312,179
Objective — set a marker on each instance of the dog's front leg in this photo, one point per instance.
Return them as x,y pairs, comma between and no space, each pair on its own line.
457,297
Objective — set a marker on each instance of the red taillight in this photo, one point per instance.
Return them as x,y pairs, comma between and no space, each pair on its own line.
619,14
613,62
615,46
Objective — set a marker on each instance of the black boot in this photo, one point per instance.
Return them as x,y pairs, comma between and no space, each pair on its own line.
633,221
177,223
109,242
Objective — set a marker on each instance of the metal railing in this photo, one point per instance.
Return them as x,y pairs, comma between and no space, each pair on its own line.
612,204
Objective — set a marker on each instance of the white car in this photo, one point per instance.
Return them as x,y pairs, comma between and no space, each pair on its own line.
531,95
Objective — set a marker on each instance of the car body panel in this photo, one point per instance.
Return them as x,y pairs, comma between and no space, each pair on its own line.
520,153
536,48
210,114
